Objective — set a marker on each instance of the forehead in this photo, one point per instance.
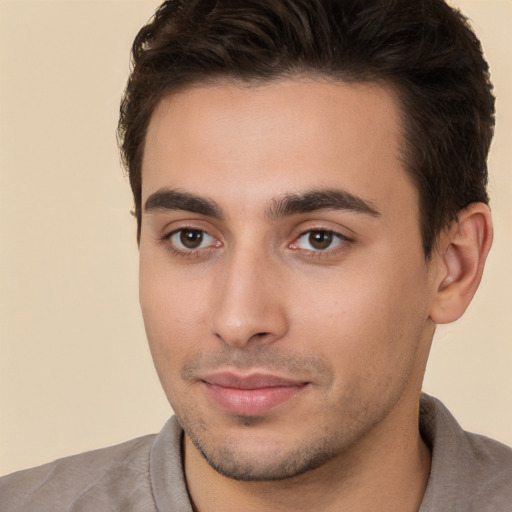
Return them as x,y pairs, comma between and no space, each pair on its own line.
290,135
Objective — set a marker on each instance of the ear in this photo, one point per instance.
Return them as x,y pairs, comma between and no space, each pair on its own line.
460,259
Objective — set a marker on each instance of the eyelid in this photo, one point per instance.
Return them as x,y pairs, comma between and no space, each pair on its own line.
335,235
166,240
205,238
167,229
344,241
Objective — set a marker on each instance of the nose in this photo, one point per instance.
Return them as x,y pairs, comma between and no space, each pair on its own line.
249,306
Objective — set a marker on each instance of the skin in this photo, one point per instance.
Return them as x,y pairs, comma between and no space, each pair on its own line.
350,321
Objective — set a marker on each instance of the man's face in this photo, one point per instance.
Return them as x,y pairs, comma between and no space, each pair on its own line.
282,280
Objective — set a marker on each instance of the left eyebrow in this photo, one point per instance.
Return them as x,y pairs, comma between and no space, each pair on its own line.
330,199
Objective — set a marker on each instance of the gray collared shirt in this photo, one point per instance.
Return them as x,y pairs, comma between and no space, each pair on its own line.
468,473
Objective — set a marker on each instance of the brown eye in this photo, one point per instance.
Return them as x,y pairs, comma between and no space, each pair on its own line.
320,240
191,238
317,240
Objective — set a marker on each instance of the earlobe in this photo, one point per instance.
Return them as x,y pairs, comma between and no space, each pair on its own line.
460,260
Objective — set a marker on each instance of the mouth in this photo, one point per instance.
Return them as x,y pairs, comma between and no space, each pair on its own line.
250,395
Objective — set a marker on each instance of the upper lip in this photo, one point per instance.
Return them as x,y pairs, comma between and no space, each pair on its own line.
251,381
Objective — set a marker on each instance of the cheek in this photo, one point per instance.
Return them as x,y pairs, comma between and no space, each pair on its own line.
171,321
173,313
364,319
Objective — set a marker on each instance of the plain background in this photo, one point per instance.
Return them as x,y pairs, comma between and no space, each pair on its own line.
75,371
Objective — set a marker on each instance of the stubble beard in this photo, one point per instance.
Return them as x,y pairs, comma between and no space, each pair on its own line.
229,458
287,459
233,462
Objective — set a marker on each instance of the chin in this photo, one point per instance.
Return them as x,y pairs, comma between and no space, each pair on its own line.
261,460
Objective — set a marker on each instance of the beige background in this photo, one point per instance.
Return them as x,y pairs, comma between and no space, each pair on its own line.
75,372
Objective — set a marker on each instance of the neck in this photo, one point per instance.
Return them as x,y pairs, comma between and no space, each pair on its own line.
389,470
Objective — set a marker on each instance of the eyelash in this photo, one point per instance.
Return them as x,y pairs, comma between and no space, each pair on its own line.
166,240
311,253
341,244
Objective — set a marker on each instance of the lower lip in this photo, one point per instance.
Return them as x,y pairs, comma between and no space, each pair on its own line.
251,402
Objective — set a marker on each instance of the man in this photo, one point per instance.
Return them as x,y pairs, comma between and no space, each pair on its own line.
309,182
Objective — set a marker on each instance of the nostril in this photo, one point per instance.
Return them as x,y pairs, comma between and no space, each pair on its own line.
260,336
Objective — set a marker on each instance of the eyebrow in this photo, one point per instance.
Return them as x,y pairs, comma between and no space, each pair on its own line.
290,204
168,199
329,199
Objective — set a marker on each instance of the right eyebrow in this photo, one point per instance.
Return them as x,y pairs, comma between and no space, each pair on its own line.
169,199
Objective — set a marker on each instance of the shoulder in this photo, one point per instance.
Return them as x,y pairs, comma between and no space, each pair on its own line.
100,479
491,473
469,472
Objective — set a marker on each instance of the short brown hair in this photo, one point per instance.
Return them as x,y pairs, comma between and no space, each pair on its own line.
424,49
